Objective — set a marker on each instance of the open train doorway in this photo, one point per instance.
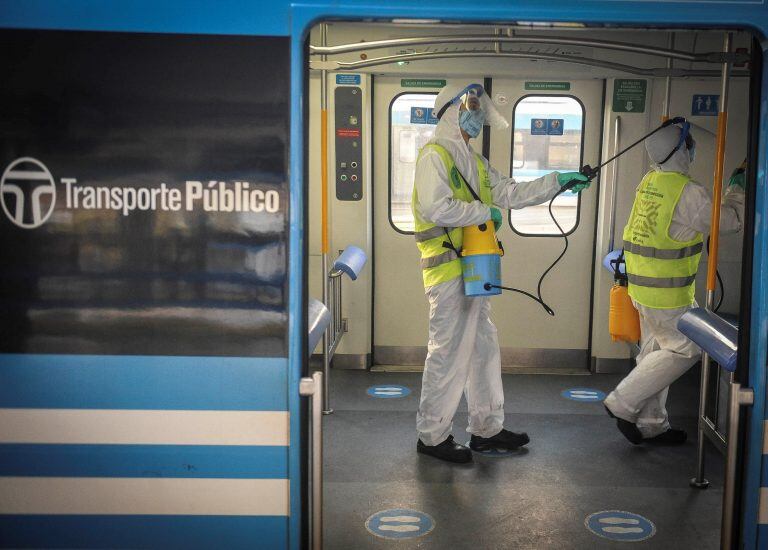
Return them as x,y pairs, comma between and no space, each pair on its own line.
571,97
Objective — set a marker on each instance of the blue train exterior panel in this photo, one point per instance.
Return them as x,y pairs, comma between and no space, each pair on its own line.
144,291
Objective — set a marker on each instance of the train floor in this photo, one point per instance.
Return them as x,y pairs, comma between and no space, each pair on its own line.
577,464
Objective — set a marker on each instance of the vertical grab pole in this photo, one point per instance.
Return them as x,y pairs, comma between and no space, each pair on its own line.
614,184
722,122
668,81
324,212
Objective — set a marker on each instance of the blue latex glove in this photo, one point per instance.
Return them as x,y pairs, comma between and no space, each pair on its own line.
496,217
566,177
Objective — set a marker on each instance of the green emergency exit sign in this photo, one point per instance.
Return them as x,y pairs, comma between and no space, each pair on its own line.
629,95
421,83
558,86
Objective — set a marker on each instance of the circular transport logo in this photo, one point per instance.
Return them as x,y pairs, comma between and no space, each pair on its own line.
27,193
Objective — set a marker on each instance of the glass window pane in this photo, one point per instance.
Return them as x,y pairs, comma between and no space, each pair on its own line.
407,138
547,136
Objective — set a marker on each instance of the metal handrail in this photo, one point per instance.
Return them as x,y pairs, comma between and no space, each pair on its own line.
313,387
333,333
640,71
671,53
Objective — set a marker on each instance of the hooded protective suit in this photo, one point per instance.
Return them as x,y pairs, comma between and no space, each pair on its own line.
463,348
665,354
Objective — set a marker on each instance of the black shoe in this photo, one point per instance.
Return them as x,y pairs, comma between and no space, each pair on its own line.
627,429
448,450
672,436
505,439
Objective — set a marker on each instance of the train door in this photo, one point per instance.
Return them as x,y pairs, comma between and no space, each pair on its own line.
553,126
403,123
570,136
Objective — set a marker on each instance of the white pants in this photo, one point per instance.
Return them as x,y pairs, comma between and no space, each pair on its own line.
462,356
665,355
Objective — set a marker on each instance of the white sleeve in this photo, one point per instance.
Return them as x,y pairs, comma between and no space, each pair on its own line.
507,193
695,209
435,198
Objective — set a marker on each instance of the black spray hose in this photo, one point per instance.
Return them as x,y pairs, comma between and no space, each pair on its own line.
591,173
539,299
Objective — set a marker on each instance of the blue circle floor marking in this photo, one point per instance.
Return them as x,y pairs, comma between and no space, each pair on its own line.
583,394
399,523
388,391
620,526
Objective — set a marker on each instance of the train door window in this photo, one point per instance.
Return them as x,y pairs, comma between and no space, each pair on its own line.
547,136
411,126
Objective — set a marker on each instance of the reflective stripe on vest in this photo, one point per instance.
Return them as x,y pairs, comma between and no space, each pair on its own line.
440,259
661,271
667,282
433,233
439,264
662,254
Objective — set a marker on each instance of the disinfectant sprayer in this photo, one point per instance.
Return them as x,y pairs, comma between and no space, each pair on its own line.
591,173
623,319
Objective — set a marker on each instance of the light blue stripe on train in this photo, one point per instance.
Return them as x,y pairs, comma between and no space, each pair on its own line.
143,382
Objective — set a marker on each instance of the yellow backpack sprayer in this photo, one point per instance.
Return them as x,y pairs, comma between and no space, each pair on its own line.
623,319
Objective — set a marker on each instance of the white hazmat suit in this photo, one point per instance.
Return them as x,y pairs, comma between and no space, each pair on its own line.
665,353
463,348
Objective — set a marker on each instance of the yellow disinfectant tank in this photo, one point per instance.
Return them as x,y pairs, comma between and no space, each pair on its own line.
480,239
481,260
623,319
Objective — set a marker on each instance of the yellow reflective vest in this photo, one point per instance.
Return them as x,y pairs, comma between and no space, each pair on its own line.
439,263
661,270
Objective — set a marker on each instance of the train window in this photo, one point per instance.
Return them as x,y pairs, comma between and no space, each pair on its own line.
411,126
547,136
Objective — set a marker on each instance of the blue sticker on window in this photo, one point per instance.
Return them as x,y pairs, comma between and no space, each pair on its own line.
621,526
351,79
583,394
400,523
705,105
423,115
538,126
555,126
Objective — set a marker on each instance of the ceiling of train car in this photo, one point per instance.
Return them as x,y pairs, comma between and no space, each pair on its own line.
513,57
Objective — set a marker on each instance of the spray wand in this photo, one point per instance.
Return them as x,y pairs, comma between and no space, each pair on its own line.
590,173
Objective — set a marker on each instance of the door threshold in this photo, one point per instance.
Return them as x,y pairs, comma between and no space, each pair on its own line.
507,369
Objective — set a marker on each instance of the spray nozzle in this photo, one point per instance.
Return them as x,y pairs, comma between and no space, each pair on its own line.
670,121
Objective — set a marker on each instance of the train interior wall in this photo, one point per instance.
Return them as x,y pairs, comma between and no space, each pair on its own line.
352,222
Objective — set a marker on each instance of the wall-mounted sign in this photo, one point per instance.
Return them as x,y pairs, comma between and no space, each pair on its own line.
629,95
348,79
705,105
558,86
421,83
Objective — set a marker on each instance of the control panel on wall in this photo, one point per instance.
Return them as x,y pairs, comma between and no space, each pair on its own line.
349,146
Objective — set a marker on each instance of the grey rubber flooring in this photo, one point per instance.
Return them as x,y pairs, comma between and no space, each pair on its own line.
576,464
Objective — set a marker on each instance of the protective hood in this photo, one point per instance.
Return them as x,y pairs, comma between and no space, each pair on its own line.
659,146
454,94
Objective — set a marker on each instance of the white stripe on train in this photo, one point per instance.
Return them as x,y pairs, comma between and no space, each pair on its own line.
144,496
162,427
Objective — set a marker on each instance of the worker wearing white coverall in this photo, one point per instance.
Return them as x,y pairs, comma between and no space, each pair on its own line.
639,400
463,348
